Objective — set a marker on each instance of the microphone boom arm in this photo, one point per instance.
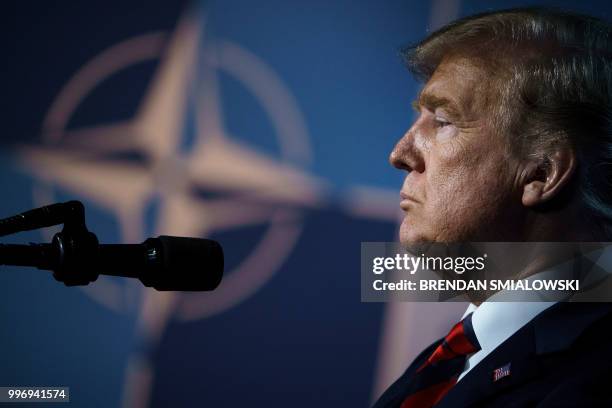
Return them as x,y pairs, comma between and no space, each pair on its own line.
71,212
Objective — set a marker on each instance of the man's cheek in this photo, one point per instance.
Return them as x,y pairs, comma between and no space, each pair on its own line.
449,182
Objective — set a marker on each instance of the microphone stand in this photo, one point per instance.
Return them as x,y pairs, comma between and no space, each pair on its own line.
70,252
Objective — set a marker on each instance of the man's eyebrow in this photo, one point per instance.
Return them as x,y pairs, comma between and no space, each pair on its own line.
431,102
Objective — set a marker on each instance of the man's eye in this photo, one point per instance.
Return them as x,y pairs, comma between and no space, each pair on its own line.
441,122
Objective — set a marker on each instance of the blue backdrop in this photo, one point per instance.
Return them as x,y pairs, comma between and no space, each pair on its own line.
264,125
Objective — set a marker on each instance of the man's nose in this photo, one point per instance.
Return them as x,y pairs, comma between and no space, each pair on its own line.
406,156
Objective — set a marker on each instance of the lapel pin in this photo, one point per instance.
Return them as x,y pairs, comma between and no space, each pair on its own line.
501,372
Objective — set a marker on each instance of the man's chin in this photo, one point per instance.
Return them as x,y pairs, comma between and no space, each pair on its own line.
410,234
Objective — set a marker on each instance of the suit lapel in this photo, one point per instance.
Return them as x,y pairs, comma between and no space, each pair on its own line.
555,330
479,383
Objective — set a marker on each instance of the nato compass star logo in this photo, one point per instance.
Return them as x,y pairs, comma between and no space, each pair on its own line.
249,187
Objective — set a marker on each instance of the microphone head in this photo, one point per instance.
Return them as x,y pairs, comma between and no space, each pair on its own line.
188,264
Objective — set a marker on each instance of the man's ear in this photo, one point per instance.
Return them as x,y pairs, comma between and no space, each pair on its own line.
545,177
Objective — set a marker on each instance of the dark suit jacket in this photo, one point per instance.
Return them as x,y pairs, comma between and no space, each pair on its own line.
562,358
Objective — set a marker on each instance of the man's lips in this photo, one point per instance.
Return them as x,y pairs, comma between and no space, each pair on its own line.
407,200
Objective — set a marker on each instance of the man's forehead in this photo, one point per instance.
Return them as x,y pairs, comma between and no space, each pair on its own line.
457,83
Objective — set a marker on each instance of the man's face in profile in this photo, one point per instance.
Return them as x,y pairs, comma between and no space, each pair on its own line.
461,175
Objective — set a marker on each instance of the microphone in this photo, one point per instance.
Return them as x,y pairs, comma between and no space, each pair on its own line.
164,263
76,258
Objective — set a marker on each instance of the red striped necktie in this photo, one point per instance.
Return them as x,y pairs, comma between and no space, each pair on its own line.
440,371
